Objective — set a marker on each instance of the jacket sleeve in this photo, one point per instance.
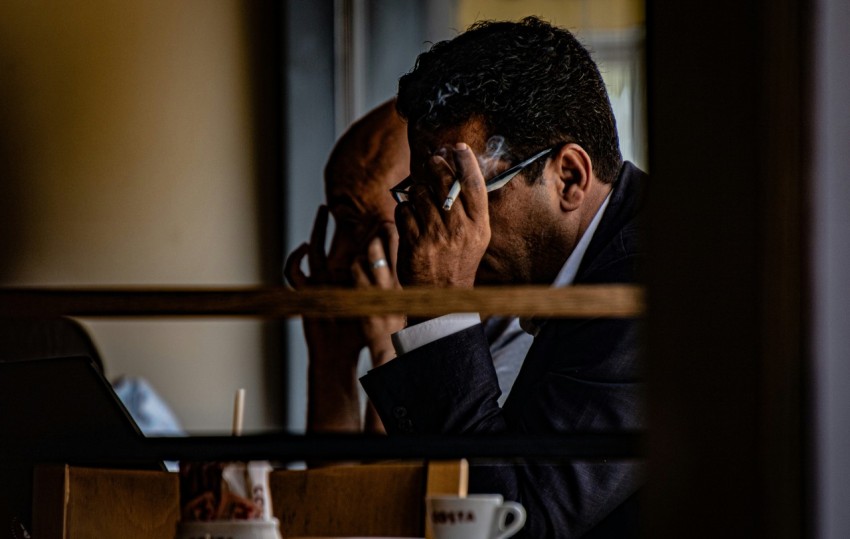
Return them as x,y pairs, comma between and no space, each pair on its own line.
570,382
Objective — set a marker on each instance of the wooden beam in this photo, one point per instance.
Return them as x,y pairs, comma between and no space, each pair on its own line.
726,233
576,301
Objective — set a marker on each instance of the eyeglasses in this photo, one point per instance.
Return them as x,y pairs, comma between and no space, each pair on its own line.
401,192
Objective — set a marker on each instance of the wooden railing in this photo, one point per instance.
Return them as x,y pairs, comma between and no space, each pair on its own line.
278,302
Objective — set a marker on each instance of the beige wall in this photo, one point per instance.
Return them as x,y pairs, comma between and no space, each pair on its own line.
572,14
126,157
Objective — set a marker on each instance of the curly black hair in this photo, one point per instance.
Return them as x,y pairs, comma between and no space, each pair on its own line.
529,81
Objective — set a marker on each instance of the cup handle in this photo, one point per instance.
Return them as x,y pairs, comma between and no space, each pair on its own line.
515,509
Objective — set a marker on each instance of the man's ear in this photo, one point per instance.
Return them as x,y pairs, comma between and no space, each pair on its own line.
574,169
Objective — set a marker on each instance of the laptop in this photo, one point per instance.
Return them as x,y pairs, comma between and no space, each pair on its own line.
60,410
61,402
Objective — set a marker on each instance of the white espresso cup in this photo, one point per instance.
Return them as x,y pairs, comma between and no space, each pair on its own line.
477,516
230,529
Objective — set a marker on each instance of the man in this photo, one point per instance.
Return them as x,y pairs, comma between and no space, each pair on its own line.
369,158
498,95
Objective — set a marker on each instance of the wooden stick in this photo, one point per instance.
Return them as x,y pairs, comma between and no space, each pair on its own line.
238,411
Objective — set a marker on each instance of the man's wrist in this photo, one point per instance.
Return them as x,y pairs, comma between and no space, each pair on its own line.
382,355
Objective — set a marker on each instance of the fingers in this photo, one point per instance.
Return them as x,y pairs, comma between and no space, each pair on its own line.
390,236
358,273
317,259
292,268
442,167
374,269
473,194
316,256
426,199
407,222
382,272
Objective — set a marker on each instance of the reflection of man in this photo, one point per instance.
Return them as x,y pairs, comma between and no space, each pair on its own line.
369,158
496,96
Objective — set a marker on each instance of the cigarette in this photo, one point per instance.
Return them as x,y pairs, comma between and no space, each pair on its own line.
453,193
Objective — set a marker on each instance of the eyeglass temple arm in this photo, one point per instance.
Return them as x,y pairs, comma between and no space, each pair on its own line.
506,176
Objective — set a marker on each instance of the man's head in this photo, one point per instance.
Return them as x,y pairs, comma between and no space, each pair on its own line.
368,159
533,84
511,90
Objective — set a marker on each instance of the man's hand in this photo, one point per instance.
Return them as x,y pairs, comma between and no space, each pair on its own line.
334,344
376,268
444,247
344,337
317,260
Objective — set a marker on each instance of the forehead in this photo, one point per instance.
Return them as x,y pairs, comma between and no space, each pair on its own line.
424,143
364,177
368,159
356,195
362,190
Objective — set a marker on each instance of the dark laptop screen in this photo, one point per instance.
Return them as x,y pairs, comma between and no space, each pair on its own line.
64,408
59,400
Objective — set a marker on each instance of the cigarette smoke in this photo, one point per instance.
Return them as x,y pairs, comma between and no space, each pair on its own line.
495,150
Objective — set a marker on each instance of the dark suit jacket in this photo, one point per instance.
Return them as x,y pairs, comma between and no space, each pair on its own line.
580,375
